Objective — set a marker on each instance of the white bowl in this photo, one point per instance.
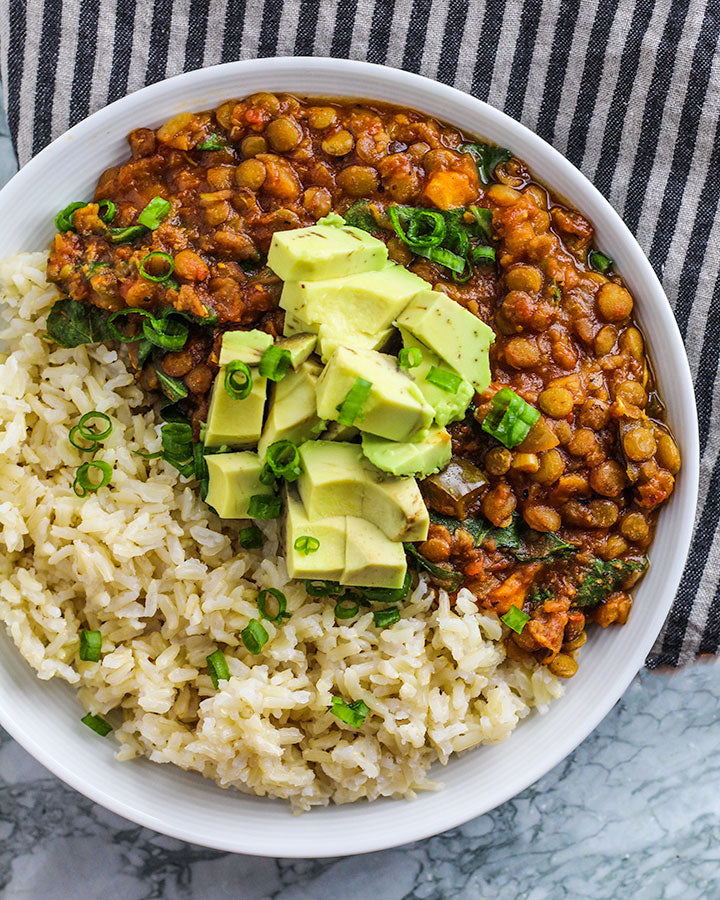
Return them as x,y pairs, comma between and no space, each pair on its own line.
43,716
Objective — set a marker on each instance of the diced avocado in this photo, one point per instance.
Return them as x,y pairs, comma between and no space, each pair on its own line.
395,407
329,340
236,423
328,561
233,478
420,458
324,251
338,480
293,411
299,346
449,407
454,333
246,346
337,432
371,560
367,302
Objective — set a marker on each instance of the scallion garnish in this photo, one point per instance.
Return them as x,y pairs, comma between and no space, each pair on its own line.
389,595
385,617
65,219
238,380
121,314
83,483
482,254
274,363
254,636
350,713
154,213
515,618
441,378
165,332
97,724
250,538
267,476
89,434
306,544
351,407
346,608
168,268
409,357
264,506
109,210
283,460
177,444
90,645
278,614
212,142
599,262
126,234
317,588
219,670
510,418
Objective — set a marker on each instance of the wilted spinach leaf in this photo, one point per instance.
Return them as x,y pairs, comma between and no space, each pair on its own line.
603,577
360,216
71,323
521,541
173,388
451,580
486,157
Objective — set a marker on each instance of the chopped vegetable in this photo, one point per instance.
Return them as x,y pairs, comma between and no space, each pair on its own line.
212,142
389,595
409,357
603,577
350,713
281,605
154,213
168,269
71,323
251,538
510,418
454,490
385,617
351,407
125,235
283,460
97,724
165,332
264,506
274,363
84,484
360,216
238,380
65,220
254,636
515,618
90,645
177,444
451,580
89,434
219,669
443,379
323,588
487,157
173,388
306,544
346,608
110,210
599,262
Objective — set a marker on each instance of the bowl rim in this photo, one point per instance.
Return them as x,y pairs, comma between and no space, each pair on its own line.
415,827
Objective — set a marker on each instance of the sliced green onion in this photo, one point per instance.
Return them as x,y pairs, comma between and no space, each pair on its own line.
65,220
238,380
167,333
72,437
264,506
127,234
274,363
251,538
154,213
426,228
83,484
600,262
267,476
515,618
88,434
156,455
219,669
346,608
90,645
201,469
97,724
446,258
482,254
121,314
351,407
306,544
409,357
317,588
178,450
212,142
169,266
254,636
387,616
510,418
389,595
110,210
441,378
280,600
283,460
483,216
350,713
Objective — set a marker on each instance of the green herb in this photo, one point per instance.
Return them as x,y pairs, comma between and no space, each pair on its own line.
409,357
166,333
281,605
451,580
177,447
84,484
386,617
267,476
97,724
389,595
109,208
65,219
251,538
212,142
127,234
154,213
317,588
599,262
515,618
219,669
238,380
483,216
90,645
264,506
283,460
201,469
482,254
346,608
351,407
360,216
126,337
173,388
94,266
306,544
89,434
71,323
538,596
487,157
510,418
254,636
602,578
274,363
168,270
350,713
443,379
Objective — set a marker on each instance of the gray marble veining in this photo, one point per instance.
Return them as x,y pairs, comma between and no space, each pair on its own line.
634,812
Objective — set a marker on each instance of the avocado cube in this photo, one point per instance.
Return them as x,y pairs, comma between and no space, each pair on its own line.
295,325
235,423
245,346
338,480
371,560
300,346
293,410
367,302
395,407
324,251
421,458
329,340
328,561
448,406
233,478
337,432
454,333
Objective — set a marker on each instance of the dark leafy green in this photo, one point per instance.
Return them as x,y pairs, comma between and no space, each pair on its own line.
173,388
603,577
71,323
360,216
487,157
213,142
451,580
537,596
599,261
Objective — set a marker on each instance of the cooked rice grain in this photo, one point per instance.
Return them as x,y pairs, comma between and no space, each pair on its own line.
146,563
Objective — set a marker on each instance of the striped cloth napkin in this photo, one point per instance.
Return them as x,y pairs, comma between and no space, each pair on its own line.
628,90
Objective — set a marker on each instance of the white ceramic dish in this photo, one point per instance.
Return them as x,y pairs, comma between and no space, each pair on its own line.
43,716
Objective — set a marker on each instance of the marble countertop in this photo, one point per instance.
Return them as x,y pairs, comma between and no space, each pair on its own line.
633,812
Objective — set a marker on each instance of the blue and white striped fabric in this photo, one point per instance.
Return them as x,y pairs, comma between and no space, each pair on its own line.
628,90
